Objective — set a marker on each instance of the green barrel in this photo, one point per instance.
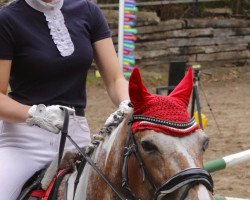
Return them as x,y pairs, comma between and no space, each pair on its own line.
217,197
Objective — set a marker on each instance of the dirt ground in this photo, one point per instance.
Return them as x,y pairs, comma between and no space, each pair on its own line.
227,91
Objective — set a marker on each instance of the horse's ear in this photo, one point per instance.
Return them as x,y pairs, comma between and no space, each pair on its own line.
184,89
137,91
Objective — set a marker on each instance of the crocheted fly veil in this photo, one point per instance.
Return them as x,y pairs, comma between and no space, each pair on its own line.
165,114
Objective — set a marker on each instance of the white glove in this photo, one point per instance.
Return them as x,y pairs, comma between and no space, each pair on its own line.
124,108
49,118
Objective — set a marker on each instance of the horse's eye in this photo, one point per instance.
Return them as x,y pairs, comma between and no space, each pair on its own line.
205,144
148,146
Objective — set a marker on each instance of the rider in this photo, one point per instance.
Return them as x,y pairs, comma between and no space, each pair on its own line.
46,50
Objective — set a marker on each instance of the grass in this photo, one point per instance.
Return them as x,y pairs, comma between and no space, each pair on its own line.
92,80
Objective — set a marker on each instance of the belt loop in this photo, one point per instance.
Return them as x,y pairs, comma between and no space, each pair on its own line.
79,112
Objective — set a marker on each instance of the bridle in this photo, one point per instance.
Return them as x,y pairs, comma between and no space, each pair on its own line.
188,177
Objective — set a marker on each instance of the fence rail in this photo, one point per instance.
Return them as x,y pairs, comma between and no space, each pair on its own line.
155,3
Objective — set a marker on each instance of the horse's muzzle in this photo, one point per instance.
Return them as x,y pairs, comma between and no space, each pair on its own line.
188,177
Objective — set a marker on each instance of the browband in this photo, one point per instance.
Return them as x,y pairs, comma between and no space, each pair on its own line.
178,125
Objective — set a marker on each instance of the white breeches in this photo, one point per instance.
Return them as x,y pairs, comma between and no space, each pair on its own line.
24,150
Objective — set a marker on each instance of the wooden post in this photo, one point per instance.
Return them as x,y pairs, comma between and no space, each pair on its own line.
176,73
196,9
238,7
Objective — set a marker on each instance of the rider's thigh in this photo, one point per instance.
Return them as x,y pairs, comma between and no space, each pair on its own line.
25,150
15,170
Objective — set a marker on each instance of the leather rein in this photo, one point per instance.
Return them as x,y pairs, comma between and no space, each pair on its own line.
189,177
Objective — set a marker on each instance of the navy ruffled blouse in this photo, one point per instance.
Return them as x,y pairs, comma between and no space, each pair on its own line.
39,74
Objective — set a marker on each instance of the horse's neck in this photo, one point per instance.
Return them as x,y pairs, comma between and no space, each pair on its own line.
109,158
109,155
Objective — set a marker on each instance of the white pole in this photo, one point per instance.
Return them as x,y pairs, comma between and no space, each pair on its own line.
227,161
217,197
232,198
237,158
120,32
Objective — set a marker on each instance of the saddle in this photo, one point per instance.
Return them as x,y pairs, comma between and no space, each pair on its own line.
60,178
51,183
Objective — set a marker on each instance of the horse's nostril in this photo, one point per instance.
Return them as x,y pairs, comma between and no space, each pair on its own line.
148,146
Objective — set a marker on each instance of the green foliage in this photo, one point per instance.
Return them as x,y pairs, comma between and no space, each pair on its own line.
246,9
228,1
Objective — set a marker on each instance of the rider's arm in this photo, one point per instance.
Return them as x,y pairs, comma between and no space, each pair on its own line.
108,64
10,110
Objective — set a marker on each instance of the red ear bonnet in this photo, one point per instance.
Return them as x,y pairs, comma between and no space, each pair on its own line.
171,108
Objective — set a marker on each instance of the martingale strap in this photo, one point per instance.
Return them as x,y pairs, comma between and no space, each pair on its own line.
182,125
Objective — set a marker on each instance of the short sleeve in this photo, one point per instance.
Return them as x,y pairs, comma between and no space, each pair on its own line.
100,29
6,37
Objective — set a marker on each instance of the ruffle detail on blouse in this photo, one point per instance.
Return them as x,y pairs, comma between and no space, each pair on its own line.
56,24
59,32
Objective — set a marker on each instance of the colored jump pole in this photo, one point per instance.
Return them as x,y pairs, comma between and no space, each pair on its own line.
126,35
227,161
217,197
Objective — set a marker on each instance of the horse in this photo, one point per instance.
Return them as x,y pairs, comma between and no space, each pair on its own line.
153,152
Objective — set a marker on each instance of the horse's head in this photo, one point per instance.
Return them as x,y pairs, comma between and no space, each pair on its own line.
169,142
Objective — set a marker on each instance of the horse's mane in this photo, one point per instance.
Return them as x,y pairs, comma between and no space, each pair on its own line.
105,130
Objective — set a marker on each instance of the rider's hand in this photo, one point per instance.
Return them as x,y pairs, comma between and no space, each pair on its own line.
124,108
49,118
